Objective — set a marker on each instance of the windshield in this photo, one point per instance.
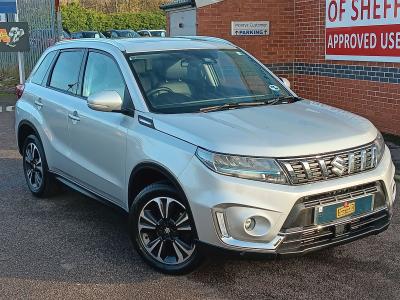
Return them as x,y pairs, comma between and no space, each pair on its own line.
191,80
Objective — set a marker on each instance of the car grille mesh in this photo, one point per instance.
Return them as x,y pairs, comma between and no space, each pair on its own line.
303,170
341,195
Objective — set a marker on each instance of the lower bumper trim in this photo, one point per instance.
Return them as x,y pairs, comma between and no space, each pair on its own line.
302,242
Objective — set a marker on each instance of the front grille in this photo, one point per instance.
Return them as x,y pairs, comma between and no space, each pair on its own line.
341,195
303,170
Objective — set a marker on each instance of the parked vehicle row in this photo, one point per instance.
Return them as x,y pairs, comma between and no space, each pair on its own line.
114,34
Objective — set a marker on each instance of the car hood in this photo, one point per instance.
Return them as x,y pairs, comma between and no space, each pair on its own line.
301,128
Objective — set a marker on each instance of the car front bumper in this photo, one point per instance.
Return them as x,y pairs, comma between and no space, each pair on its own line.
235,200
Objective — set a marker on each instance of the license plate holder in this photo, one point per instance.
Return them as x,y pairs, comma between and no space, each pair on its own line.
344,209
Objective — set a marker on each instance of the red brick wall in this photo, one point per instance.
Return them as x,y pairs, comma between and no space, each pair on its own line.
298,37
379,102
215,20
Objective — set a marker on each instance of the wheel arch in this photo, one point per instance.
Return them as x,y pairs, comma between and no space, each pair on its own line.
147,173
138,181
26,128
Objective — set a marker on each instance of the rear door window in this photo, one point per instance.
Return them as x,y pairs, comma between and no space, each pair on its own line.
41,71
65,76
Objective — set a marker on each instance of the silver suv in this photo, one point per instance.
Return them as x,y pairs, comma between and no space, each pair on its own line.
203,146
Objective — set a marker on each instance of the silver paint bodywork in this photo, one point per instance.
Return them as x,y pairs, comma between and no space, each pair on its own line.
99,150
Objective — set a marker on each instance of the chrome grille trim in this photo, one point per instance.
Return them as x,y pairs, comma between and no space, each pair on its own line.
310,169
340,196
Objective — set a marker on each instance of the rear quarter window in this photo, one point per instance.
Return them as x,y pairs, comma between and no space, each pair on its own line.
39,75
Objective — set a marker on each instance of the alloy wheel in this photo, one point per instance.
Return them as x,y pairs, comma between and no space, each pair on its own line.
33,166
165,231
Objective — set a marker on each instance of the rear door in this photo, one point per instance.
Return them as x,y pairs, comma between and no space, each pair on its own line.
62,83
98,139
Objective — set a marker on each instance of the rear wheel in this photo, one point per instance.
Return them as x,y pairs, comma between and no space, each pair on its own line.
163,231
40,182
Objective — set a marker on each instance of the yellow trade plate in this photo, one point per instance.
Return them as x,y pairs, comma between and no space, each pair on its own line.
345,210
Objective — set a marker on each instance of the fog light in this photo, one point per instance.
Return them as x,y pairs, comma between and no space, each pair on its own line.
249,224
221,223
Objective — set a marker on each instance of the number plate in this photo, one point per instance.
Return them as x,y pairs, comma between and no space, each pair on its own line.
354,207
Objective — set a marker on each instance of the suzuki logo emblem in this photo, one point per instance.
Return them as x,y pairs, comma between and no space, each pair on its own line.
338,166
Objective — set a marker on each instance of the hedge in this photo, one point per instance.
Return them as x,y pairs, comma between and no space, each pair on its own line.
77,18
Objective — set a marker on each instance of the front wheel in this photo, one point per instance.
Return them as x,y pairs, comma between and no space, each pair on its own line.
162,230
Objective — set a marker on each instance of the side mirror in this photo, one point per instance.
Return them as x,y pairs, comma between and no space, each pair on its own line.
107,101
285,82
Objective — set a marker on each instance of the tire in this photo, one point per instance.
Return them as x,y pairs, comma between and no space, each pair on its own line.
162,230
35,168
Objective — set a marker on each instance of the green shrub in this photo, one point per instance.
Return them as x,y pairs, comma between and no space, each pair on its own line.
77,18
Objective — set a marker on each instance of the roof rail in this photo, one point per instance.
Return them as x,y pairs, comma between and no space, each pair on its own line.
93,40
206,39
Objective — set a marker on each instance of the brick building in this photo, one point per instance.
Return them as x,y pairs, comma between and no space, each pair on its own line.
296,44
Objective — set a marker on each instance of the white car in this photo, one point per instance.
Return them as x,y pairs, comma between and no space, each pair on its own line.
153,33
203,146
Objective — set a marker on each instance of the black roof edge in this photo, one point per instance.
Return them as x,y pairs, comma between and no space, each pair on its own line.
178,4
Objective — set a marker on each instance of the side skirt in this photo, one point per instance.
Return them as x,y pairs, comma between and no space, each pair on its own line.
87,192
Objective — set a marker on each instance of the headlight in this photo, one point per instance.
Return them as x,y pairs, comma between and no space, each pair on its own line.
380,147
253,168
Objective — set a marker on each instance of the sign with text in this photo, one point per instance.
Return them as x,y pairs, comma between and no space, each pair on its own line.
8,6
14,37
250,28
363,30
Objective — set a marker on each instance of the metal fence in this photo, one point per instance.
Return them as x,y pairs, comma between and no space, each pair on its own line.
44,28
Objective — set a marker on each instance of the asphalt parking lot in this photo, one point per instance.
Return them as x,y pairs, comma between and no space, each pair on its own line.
74,247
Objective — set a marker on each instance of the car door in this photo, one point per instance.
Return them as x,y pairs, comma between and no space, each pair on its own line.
98,139
61,85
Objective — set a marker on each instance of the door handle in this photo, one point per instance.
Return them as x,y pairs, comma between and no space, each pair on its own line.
39,103
74,117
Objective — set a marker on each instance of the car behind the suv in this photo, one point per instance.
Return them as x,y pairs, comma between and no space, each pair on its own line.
202,145
153,33
121,34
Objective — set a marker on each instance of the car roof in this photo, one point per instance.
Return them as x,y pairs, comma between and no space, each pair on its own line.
131,45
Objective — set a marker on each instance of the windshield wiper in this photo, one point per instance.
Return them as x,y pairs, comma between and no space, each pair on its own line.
283,99
234,105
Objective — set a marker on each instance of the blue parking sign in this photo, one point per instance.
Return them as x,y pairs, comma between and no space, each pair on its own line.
8,6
